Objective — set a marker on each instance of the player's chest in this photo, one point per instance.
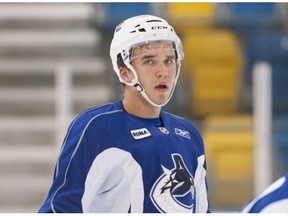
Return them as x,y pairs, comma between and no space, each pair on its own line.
154,140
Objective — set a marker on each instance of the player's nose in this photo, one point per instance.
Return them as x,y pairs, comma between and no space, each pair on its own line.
162,70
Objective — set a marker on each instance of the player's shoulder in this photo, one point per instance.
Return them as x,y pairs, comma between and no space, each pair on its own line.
272,199
176,117
180,120
103,112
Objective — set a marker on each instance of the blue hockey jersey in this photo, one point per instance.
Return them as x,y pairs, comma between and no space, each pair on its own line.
112,161
272,200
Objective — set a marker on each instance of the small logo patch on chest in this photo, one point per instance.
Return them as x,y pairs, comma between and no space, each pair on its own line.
182,133
163,130
140,133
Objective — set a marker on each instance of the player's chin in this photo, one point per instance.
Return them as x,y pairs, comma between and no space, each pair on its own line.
161,99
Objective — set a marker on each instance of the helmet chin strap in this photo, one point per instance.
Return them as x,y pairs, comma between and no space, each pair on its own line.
141,90
135,82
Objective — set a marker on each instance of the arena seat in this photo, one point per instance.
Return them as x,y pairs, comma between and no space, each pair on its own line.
252,14
116,12
229,149
213,65
187,14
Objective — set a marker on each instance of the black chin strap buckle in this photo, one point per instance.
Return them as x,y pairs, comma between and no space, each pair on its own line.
138,87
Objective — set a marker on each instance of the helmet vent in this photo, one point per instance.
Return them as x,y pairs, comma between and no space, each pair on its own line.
148,21
138,30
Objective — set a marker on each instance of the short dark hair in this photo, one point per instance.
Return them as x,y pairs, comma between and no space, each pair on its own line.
120,62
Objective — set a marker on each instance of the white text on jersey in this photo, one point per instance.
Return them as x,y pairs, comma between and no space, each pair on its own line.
140,133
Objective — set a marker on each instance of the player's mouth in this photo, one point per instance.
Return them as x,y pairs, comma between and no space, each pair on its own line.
162,87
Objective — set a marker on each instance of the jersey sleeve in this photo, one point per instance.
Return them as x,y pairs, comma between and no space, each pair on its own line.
67,186
87,138
274,199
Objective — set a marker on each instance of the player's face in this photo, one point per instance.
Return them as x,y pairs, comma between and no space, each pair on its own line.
155,65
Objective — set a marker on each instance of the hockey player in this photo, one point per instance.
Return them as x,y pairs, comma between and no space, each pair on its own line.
131,156
272,200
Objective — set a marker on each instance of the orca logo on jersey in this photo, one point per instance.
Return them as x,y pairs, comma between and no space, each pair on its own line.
174,191
140,133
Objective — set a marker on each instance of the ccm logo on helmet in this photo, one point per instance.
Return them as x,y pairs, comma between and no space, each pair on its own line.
159,27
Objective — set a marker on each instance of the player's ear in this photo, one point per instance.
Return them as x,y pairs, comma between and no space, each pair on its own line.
125,74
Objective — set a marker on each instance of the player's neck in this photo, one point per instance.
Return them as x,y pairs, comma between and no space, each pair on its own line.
141,108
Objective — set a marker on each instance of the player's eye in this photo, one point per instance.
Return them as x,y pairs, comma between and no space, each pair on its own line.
169,61
148,62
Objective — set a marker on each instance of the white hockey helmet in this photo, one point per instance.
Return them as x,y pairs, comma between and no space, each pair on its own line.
140,30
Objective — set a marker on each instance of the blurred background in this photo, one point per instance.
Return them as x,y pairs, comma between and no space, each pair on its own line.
54,63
